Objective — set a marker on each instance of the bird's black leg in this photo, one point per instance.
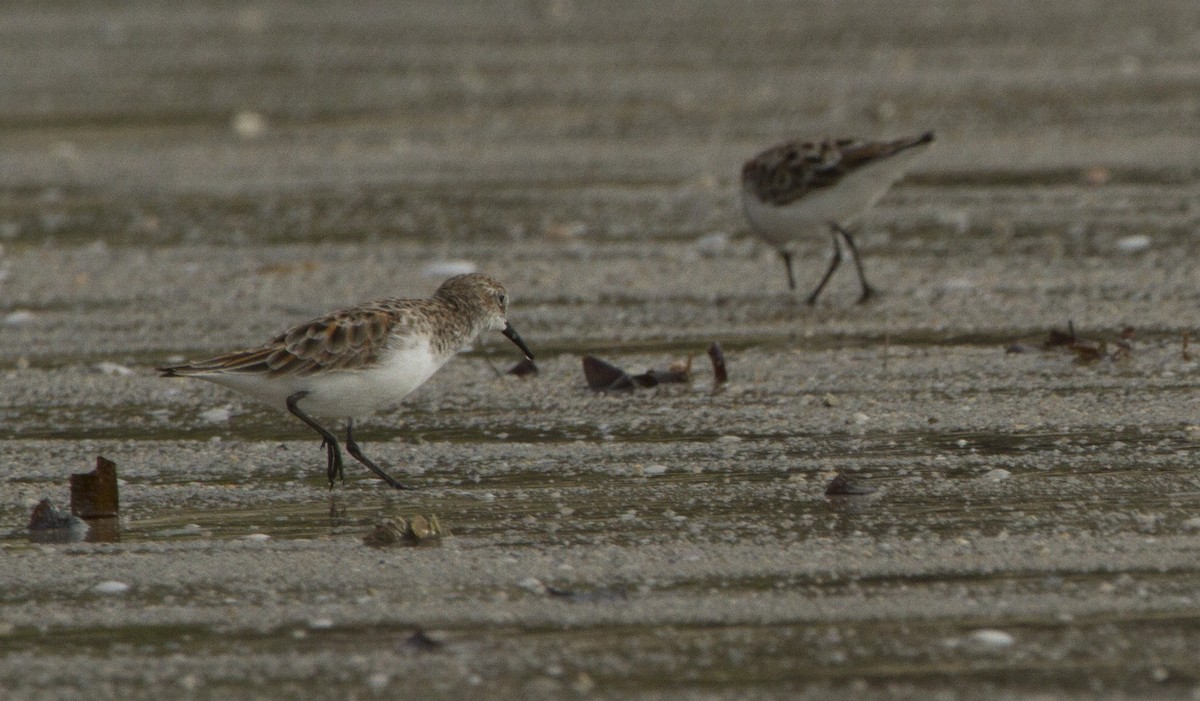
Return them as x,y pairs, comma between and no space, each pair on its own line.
833,264
334,466
867,290
787,263
353,449
333,454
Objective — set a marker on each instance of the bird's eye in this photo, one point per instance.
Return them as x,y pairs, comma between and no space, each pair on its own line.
502,299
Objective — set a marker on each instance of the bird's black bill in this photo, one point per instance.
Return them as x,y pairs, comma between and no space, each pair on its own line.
511,334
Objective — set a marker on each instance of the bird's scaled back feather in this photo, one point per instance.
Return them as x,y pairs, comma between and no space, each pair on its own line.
785,173
351,338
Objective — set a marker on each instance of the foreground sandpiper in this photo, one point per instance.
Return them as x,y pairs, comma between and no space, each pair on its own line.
362,359
795,188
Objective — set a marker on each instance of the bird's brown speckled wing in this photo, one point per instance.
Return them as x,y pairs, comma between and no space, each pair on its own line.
785,173
346,339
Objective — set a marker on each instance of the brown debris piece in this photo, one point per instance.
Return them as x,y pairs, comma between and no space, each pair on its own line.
94,494
717,356
603,376
1058,338
841,485
421,642
525,368
1086,351
678,371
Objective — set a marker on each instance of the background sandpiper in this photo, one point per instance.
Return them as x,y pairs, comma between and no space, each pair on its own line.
799,186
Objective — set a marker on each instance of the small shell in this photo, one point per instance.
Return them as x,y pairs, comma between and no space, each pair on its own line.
416,530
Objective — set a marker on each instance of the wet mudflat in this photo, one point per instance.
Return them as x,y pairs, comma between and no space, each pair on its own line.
181,183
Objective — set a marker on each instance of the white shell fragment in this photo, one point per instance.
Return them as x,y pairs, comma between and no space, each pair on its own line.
18,317
110,588
113,369
990,639
248,125
1133,244
533,585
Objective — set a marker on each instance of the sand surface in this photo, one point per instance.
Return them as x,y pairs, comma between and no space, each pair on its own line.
180,182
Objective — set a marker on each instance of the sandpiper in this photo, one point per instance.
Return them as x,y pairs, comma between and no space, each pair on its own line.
361,359
799,186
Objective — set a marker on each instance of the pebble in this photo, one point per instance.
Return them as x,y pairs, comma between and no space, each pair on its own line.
1148,522
583,684
19,317
1133,244
189,682
712,244
248,125
378,681
215,415
111,587
533,585
989,640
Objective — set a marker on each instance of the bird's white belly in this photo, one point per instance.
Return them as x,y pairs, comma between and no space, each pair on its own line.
343,393
811,215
